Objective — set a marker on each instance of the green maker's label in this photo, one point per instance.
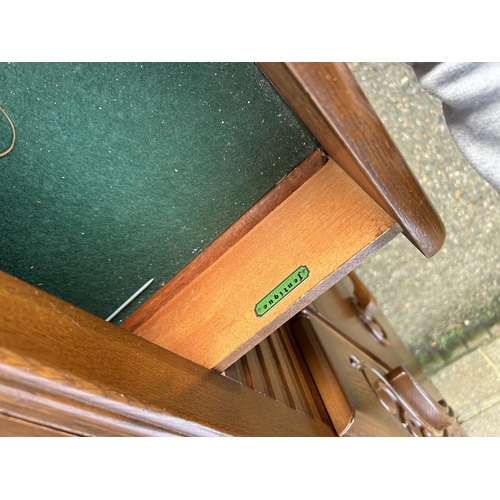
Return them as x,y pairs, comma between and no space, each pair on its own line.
281,291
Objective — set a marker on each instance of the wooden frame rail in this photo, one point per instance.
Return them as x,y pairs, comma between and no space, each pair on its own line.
334,108
70,371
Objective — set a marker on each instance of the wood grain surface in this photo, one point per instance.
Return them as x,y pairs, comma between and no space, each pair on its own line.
354,408
329,331
328,224
334,398
15,427
63,368
332,105
228,239
345,318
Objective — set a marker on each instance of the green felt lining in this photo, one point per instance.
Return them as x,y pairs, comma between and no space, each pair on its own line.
123,172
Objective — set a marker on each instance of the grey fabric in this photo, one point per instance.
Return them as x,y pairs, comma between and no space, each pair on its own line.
470,93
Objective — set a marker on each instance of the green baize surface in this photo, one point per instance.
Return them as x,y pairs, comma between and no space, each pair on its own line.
123,172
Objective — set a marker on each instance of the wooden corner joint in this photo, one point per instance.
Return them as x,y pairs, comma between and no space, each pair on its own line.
333,106
311,239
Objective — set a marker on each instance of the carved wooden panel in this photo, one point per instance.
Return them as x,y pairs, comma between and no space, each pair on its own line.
354,354
338,305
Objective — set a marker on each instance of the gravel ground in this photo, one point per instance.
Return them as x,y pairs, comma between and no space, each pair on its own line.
437,304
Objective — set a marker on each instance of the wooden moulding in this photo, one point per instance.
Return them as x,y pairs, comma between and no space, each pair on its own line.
332,105
14,427
328,224
68,371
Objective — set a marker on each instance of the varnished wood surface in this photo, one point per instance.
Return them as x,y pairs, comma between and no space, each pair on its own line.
15,427
344,316
330,331
276,368
328,224
328,359
332,105
67,369
228,239
334,398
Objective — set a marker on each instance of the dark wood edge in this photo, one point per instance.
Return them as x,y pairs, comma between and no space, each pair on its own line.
68,369
332,105
229,238
67,406
13,427
327,382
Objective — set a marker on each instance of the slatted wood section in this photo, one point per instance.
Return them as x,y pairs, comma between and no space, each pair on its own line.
276,368
328,224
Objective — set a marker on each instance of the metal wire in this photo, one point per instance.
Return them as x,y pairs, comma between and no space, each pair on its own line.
9,149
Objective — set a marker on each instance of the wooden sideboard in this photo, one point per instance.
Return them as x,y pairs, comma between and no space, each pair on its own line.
267,332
